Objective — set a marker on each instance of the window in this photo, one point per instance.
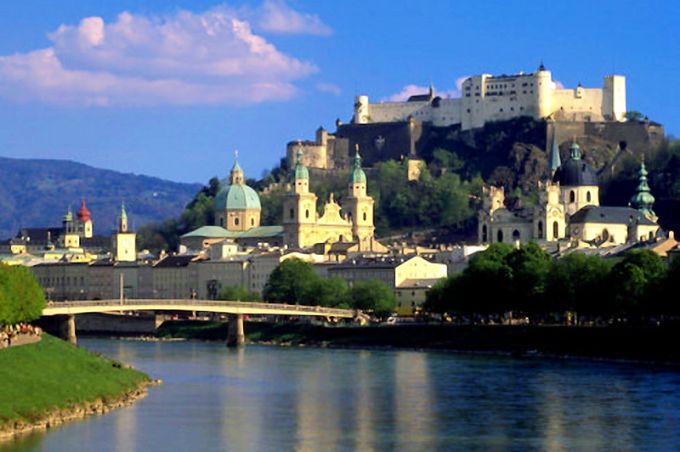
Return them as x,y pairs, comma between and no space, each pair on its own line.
365,216
252,221
605,235
588,197
236,221
306,213
515,235
572,196
500,236
222,221
540,229
556,230
484,237
292,213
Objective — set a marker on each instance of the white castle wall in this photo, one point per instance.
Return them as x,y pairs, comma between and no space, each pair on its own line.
487,98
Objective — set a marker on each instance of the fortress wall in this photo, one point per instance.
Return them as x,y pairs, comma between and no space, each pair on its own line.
581,102
448,112
398,111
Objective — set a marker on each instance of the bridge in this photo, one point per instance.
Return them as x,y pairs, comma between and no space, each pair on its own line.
235,309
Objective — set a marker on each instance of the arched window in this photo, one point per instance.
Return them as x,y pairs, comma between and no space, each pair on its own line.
236,221
252,221
306,213
540,229
605,235
556,230
500,236
484,234
365,216
292,213
222,221
588,197
515,235
572,196
651,235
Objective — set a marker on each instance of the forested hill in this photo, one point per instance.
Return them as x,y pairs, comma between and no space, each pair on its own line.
36,193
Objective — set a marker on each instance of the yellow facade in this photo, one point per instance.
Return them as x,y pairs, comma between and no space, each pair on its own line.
353,222
125,247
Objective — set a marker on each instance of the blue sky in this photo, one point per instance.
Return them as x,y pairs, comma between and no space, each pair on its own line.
171,88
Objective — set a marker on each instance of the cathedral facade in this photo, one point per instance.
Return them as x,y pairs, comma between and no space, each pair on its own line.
351,222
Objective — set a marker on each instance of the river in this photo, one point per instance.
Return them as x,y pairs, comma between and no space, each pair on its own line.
307,399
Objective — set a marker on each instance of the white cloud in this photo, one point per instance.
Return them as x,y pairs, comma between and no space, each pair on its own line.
277,17
188,58
413,90
329,88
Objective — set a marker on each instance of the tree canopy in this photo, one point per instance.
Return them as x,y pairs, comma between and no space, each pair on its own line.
21,297
529,281
296,282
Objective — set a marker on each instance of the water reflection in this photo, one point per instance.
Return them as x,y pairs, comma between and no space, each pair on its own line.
268,398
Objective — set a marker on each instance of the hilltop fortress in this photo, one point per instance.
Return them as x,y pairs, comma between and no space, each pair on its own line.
398,130
487,98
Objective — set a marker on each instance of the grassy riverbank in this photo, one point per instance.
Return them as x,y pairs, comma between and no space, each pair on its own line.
52,376
617,342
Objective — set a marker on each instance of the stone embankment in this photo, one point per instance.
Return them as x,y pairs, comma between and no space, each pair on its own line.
59,416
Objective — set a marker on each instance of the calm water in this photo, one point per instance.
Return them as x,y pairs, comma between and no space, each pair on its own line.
280,399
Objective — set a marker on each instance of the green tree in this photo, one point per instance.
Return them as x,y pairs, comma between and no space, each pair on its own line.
291,282
530,266
578,282
329,292
21,297
634,279
237,293
373,295
444,295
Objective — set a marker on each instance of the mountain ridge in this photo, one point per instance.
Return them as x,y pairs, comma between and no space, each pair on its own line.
37,193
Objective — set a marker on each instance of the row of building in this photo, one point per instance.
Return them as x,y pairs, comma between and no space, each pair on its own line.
72,263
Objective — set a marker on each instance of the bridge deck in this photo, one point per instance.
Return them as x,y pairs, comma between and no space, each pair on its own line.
224,307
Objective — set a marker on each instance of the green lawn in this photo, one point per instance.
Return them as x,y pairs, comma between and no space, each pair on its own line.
53,374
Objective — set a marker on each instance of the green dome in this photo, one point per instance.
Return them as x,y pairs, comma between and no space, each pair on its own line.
237,196
300,170
643,198
357,176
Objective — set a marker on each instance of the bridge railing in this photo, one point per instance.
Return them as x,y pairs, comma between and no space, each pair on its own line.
118,306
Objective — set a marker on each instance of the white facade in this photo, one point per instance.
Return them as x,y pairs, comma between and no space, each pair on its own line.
487,98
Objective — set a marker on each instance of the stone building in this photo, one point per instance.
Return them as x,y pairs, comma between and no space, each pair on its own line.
568,208
487,98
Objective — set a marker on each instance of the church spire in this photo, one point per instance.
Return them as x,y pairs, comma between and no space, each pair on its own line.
555,161
122,219
643,199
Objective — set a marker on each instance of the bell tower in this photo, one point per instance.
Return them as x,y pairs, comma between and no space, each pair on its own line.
124,241
299,207
359,206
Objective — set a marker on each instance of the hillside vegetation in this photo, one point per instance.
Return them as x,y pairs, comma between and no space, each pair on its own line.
36,193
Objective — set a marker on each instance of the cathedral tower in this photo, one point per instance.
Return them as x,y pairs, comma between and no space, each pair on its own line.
550,218
299,207
359,206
